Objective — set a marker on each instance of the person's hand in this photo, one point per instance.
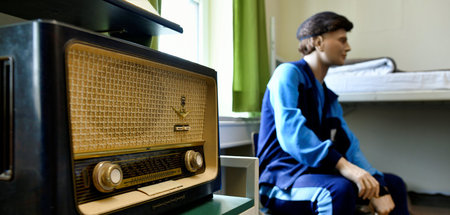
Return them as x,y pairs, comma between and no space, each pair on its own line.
368,186
383,204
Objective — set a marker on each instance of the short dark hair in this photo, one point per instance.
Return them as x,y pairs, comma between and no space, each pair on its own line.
317,25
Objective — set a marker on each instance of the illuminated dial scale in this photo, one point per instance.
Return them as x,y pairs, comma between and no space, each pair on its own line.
108,176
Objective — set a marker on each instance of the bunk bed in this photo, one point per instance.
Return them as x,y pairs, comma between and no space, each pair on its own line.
400,117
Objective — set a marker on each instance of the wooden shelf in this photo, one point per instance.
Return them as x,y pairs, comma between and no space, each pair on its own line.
120,18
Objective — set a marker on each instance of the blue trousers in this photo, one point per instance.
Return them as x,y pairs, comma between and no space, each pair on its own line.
326,194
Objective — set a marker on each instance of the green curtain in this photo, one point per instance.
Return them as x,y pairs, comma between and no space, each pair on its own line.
157,5
251,61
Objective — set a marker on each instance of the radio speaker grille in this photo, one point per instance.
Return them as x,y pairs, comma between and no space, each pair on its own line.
117,101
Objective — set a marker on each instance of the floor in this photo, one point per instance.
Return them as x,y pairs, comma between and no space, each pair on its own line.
424,204
428,210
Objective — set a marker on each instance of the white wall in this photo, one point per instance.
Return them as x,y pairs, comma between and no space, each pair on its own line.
413,32
236,132
411,140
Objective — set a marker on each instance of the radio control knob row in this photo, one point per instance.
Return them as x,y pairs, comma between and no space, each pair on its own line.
193,160
107,176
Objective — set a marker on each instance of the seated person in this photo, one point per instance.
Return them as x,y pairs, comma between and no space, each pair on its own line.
310,161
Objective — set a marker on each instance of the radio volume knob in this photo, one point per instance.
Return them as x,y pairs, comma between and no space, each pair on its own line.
193,160
107,176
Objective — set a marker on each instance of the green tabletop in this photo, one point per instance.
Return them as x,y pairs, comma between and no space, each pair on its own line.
221,204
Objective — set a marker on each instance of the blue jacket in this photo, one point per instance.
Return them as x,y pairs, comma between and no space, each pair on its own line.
302,129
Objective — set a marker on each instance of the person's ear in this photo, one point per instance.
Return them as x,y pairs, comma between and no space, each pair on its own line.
318,43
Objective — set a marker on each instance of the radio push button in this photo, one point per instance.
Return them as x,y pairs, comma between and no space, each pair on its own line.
107,176
193,160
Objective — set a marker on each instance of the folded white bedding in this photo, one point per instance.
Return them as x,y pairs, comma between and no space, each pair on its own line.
378,66
379,76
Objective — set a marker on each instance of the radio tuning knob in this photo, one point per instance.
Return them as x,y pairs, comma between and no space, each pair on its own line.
193,160
107,176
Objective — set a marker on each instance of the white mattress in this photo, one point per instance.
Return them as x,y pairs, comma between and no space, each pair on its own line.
401,81
379,76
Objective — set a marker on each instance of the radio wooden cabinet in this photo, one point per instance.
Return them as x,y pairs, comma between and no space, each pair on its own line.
93,124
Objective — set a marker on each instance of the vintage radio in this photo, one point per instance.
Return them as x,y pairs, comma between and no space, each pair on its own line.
92,124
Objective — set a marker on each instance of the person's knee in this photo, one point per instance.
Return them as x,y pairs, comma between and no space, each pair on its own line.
344,194
345,189
398,191
394,181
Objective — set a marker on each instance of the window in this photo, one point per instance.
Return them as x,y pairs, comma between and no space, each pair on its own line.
207,39
186,14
